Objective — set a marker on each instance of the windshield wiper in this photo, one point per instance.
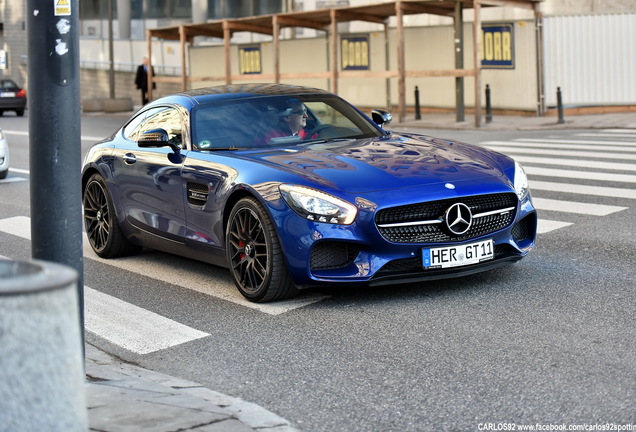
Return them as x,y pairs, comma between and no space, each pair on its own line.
326,140
219,148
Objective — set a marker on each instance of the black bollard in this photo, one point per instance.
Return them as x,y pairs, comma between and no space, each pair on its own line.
488,107
418,115
560,106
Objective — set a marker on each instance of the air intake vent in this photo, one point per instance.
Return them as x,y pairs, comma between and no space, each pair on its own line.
198,194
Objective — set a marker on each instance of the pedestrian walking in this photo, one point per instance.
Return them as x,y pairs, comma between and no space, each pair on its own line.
141,80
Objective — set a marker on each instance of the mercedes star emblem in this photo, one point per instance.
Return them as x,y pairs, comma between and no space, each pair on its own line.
459,218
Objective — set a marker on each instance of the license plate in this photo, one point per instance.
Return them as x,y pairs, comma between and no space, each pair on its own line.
455,256
7,94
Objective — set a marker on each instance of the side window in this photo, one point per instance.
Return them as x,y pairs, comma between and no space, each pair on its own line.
165,118
133,128
160,117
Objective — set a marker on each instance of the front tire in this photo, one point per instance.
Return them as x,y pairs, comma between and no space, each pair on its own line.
255,255
100,222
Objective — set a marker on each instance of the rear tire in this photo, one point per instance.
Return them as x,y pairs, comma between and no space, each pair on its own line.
20,112
255,255
100,221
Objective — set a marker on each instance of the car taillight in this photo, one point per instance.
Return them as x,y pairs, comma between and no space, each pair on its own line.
21,93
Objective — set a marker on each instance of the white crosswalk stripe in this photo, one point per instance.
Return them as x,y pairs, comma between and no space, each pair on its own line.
579,142
498,145
632,132
131,327
193,278
576,163
546,226
152,332
580,175
610,134
583,189
575,207
608,160
179,276
621,154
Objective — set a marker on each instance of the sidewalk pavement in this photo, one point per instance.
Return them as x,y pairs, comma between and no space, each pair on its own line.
123,397
518,123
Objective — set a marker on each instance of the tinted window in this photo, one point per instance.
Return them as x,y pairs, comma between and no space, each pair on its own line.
132,129
255,122
166,118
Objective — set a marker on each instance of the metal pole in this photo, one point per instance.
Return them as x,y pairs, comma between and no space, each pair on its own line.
460,107
54,135
538,19
488,107
387,66
111,52
477,59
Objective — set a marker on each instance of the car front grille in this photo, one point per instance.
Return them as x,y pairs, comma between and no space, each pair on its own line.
436,230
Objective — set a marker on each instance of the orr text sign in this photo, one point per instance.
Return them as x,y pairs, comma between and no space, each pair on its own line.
355,52
497,46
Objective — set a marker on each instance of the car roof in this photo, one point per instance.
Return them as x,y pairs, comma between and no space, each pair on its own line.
238,91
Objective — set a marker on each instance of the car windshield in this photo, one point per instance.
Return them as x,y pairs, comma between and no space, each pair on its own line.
276,121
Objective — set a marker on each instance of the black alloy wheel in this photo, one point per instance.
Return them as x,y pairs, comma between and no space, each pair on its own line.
102,230
254,254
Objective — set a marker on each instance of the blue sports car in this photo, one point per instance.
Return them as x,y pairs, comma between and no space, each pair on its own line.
292,187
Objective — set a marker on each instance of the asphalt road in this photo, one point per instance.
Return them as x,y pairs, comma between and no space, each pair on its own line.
547,341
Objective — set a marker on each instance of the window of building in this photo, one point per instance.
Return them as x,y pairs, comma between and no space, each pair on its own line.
219,9
95,9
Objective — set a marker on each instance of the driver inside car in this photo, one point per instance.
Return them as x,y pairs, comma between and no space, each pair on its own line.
292,121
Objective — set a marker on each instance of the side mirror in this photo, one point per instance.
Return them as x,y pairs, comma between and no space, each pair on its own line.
381,117
156,138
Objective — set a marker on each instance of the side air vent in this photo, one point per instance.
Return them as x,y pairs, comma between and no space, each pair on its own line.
198,194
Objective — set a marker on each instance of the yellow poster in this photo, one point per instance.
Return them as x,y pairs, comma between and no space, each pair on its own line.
62,7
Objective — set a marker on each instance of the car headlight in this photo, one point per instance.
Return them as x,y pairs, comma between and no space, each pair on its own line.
318,206
521,182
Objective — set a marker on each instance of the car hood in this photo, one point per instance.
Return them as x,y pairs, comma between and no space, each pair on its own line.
369,165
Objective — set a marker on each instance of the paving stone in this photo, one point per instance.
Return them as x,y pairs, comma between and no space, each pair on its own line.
143,416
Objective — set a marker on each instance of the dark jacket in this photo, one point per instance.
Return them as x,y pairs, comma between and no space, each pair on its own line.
141,79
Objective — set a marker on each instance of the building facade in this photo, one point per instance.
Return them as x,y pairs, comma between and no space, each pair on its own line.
589,47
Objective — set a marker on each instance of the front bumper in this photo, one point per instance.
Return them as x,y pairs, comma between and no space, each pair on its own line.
322,254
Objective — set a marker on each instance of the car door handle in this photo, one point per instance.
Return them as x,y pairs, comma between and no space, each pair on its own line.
130,158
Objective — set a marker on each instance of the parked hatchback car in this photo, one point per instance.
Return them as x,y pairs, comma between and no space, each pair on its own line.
4,156
292,187
12,97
